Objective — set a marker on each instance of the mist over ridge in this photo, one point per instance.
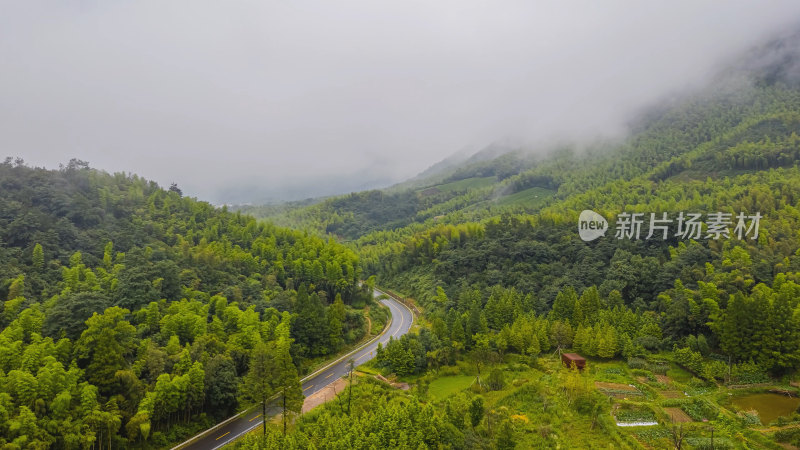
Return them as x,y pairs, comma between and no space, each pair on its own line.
255,102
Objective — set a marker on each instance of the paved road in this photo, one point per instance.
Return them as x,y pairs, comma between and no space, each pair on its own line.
402,319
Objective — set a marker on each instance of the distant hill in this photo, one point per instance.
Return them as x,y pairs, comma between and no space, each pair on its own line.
125,306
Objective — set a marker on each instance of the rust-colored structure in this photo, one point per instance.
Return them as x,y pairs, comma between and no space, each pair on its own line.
573,358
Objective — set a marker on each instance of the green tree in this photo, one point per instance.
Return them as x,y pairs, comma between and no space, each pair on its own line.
220,386
564,305
37,258
287,382
336,316
476,411
587,307
261,382
17,288
105,343
310,330
496,379
505,436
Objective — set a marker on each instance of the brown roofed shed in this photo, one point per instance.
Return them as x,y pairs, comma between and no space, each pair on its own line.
573,358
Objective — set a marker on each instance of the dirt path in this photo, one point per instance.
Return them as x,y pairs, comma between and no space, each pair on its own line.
771,429
615,386
672,394
325,395
677,415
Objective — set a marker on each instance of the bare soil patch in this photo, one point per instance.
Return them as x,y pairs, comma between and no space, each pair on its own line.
328,393
672,394
677,415
663,379
614,386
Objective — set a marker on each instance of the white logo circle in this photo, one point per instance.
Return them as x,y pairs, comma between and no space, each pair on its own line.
591,225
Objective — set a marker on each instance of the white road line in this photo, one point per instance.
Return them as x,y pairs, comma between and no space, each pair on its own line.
237,436
402,321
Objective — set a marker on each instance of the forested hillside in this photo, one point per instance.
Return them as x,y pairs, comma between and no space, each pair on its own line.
131,314
134,316
501,284
703,157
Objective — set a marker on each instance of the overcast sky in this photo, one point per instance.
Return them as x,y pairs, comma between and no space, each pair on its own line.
240,100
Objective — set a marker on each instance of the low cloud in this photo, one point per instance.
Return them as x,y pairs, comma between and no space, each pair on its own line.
274,96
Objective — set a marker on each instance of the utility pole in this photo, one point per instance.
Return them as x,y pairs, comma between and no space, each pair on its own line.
284,412
350,388
712,438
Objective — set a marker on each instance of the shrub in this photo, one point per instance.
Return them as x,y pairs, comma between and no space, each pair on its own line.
637,363
750,418
635,415
496,380
651,343
705,443
644,373
789,436
714,370
699,409
689,359
588,402
518,367
659,367
748,373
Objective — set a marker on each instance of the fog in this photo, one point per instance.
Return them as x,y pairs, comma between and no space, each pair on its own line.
249,101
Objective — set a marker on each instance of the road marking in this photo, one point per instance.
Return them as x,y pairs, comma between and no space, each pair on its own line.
329,375
223,435
402,320
254,418
308,388
233,438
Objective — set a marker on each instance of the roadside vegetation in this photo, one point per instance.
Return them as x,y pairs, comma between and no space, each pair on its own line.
685,335
134,317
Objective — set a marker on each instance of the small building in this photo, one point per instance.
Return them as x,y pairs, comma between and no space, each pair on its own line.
573,358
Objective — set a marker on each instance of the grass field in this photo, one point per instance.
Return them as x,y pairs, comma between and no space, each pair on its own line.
444,387
463,185
529,198
679,374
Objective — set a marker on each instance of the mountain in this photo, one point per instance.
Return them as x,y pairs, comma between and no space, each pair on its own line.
135,316
493,254
446,168
690,293
130,313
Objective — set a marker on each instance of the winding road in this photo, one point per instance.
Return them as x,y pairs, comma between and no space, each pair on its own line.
235,427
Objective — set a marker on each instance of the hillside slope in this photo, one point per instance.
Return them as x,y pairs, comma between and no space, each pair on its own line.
131,315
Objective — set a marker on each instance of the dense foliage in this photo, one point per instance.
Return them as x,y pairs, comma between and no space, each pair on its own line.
495,279
739,297
132,315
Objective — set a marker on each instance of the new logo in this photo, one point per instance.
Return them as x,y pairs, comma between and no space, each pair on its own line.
591,225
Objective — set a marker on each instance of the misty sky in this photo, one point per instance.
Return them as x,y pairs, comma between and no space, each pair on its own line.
250,100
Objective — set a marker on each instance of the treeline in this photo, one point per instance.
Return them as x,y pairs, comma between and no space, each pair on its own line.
486,327
132,316
714,301
381,417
